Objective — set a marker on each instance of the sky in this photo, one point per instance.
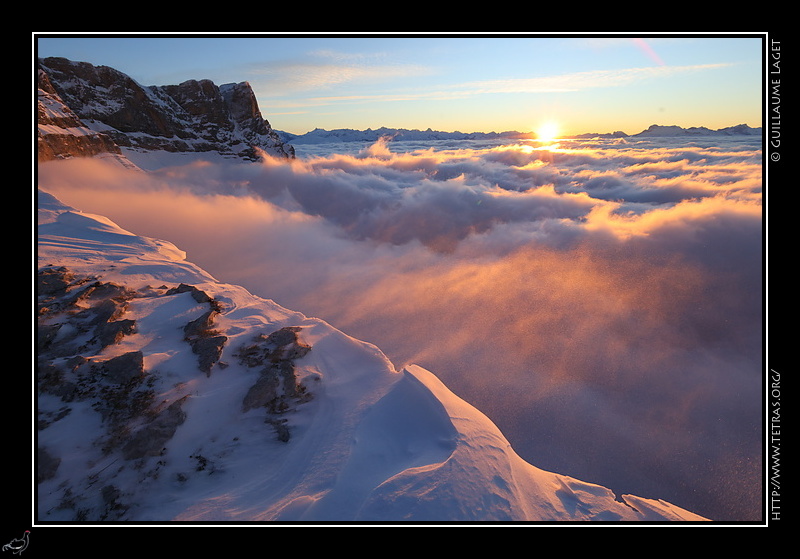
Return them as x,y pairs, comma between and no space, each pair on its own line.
477,83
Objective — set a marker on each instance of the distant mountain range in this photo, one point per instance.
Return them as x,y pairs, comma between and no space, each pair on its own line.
738,130
322,136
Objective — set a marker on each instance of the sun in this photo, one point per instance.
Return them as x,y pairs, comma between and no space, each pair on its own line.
547,131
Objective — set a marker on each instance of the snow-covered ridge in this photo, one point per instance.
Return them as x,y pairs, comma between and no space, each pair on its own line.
166,395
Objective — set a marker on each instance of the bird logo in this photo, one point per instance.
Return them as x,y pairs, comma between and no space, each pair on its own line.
18,545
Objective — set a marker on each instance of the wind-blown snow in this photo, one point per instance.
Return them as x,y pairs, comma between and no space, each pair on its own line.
372,444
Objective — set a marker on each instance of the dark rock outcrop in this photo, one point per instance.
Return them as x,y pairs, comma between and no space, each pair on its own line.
277,386
125,368
150,439
206,342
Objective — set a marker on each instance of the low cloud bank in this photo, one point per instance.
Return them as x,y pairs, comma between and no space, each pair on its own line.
601,302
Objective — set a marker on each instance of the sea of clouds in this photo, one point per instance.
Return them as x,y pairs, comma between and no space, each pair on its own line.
600,300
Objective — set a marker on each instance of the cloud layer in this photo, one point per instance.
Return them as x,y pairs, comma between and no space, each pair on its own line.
600,301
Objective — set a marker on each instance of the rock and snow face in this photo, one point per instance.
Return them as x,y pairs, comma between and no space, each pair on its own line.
61,132
113,111
165,395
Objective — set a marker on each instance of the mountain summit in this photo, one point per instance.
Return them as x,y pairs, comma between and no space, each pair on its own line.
85,109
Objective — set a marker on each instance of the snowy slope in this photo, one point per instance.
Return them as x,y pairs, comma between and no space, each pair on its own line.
360,442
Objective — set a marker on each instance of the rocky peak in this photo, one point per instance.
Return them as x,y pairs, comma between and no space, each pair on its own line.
243,107
242,102
200,99
194,116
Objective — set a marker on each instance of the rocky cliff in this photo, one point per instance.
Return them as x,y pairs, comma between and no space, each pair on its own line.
84,110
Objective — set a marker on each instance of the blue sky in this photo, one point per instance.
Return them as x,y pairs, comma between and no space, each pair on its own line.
478,83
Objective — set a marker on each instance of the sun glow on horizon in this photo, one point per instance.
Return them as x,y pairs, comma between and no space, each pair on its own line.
548,131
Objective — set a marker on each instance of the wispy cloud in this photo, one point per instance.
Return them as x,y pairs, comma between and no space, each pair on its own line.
325,69
321,77
578,81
